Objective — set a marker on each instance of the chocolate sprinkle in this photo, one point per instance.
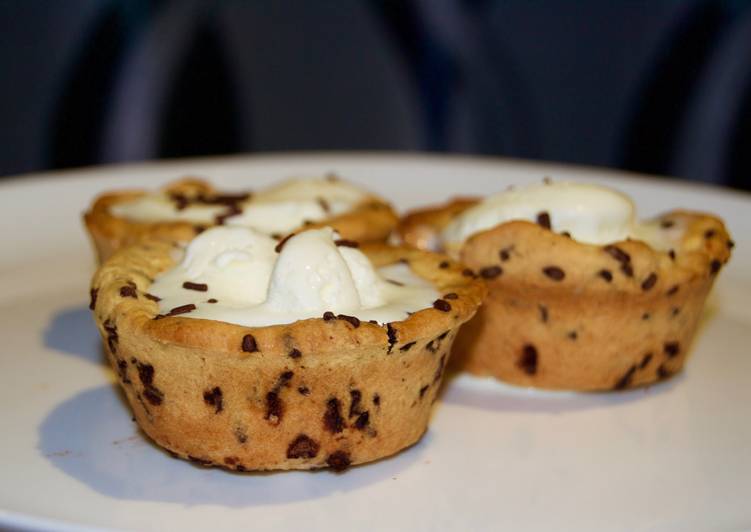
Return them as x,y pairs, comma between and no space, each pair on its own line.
672,290
645,361
649,282
672,349
395,283
407,346
451,295
442,305
324,205
212,300
332,418
198,287
554,272
528,361
349,319
152,297
543,313
283,241
303,447
618,254
182,309
249,344
93,295
346,243
543,219
624,381
339,461
491,272
423,390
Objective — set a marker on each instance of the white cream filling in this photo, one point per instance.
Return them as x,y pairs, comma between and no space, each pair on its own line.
591,214
278,209
255,286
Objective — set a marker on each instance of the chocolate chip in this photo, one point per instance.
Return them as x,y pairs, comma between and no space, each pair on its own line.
528,361
675,311
212,300
606,274
230,460
152,297
715,266
93,293
240,435
213,398
646,316
444,264
339,460
392,337
667,224
673,289
505,254
128,291
343,242
294,353
249,344
543,313
349,319
274,408
466,272
407,346
122,370
649,282
543,219
423,390
709,233
491,272
663,372
645,361
442,305
303,447
730,244
376,399
625,381
572,335
328,315
554,272
362,421
145,373
354,405
618,254
566,234
153,395
672,349
112,338
627,270
283,241
431,346
332,418
198,287
303,390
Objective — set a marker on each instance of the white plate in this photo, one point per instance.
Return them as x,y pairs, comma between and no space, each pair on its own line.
676,456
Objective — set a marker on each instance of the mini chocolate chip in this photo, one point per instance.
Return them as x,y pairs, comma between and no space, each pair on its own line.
442,305
573,335
625,381
466,272
491,272
392,337
444,264
543,220
93,293
354,405
407,346
673,289
730,244
671,254
362,421
349,319
240,435
649,282
645,361
295,353
146,373
303,447
675,311
505,254
332,418
663,372
213,398
376,399
284,378
249,344
152,297
230,460
274,408
715,266
339,461
528,361
646,316
554,272
212,300
709,233
283,241
198,287
128,291
328,315
343,242
303,390
543,313
672,349
606,274
667,224
153,395
423,390
627,270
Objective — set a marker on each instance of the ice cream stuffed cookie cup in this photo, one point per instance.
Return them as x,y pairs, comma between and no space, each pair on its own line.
187,207
582,296
342,386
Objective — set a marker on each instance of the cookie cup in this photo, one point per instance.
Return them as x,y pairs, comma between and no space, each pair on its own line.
372,220
561,314
309,394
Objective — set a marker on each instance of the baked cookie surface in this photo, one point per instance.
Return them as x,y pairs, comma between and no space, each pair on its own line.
331,391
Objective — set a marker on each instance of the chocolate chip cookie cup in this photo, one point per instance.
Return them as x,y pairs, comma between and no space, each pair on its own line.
568,313
187,207
329,391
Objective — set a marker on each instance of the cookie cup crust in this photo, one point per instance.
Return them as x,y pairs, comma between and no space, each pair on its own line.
372,220
310,394
567,315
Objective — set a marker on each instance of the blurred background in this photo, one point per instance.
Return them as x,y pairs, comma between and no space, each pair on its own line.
652,86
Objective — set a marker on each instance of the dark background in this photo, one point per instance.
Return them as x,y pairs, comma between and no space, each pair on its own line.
652,86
